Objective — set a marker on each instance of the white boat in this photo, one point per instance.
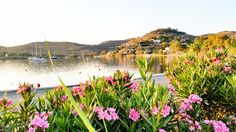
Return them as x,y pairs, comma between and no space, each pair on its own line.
37,58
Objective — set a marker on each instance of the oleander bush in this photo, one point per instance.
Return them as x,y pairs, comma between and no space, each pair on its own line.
211,75
114,103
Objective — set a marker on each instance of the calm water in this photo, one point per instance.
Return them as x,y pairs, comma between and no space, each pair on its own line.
72,71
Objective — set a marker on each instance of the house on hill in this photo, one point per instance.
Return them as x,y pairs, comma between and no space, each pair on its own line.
156,42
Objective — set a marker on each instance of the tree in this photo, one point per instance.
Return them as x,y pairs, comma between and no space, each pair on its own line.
176,46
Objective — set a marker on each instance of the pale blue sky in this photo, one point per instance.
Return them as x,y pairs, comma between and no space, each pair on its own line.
94,21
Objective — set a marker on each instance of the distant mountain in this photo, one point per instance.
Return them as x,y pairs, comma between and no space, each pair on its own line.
61,48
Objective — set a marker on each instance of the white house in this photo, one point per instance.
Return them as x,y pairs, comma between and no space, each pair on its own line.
156,42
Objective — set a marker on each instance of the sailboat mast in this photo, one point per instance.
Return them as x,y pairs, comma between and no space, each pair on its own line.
36,49
40,52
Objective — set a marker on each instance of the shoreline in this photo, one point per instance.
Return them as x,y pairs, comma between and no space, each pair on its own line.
139,55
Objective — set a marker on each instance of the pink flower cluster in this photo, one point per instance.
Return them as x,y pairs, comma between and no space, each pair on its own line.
162,130
134,86
155,110
171,89
108,114
215,60
77,90
195,126
26,87
134,114
5,102
39,122
164,112
63,98
186,104
219,126
110,80
227,69
193,98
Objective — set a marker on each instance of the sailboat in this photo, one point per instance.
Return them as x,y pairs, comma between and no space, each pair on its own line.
37,58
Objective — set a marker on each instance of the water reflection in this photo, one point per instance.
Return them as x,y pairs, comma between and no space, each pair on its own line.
72,71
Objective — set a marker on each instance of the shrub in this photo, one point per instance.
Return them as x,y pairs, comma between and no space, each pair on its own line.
210,75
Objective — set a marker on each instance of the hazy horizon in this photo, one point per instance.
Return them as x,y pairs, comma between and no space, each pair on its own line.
93,22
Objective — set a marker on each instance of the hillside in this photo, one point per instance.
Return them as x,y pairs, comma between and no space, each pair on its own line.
60,48
225,39
167,40
155,41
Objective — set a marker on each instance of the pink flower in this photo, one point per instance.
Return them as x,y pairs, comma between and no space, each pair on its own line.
166,111
22,90
193,98
109,114
63,98
74,112
83,86
134,86
227,69
185,116
25,87
162,130
209,122
134,114
9,102
171,89
191,128
6,102
110,80
154,110
219,126
185,106
31,129
198,126
78,91
216,62
39,122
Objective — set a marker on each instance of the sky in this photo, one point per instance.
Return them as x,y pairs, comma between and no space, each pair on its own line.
95,21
